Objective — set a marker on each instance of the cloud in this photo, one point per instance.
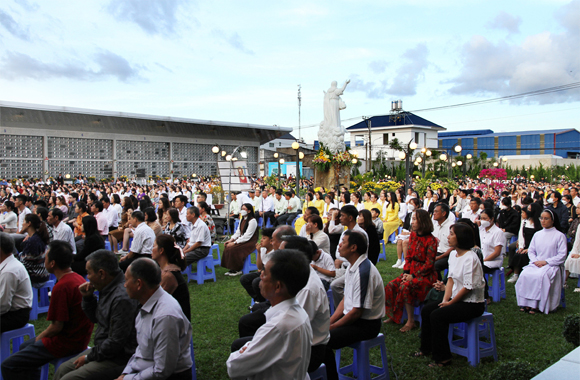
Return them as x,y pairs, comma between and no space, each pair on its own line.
404,82
15,66
506,21
234,40
31,7
12,26
154,17
409,74
378,67
541,61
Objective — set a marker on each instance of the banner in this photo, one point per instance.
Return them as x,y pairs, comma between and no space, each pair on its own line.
234,176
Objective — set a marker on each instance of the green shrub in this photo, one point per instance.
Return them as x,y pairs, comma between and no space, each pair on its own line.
572,329
515,370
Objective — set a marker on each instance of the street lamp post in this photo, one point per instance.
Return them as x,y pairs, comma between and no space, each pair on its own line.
426,153
406,155
299,154
448,158
468,156
276,155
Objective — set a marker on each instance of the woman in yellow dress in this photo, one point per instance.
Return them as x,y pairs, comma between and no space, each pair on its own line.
309,201
367,200
319,202
374,202
390,216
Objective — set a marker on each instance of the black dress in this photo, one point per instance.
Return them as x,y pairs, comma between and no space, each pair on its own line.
181,294
518,260
92,244
374,244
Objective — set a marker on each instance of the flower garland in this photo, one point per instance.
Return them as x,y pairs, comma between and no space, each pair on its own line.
324,159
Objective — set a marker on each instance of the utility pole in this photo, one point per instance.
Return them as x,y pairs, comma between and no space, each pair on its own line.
370,151
299,104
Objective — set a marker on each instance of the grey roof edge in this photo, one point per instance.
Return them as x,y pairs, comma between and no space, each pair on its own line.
43,107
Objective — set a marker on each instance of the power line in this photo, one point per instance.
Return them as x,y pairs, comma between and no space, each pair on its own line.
566,87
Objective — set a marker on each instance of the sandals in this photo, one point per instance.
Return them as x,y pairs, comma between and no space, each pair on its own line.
440,364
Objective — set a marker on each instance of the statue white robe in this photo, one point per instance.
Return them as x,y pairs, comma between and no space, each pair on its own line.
540,288
331,132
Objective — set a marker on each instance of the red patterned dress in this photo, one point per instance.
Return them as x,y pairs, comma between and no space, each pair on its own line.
420,262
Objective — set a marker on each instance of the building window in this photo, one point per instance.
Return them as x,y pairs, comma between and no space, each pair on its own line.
393,134
417,137
385,139
271,145
279,144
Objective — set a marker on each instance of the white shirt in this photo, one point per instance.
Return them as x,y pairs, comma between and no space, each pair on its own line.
489,240
294,204
243,198
364,275
356,228
265,205
280,206
325,261
119,210
279,348
200,233
466,272
471,215
441,232
112,216
15,288
143,239
265,256
9,220
184,222
65,233
234,208
21,217
321,239
576,200
252,225
314,301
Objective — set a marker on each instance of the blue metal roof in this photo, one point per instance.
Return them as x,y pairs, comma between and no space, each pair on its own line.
519,133
405,118
478,132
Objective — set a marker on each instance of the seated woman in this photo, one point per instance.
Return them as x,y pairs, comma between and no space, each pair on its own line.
463,300
33,249
390,215
204,211
9,220
572,263
174,227
251,281
540,283
365,221
419,272
403,238
242,243
151,220
333,229
170,258
118,234
518,251
492,243
93,242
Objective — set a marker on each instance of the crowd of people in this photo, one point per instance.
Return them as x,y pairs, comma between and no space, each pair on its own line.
446,241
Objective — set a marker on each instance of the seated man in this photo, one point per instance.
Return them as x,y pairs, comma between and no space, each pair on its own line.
114,313
280,346
15,288
314,231
292,208
60,230
163,331
143,239
265,209
358,316
199,242
69,331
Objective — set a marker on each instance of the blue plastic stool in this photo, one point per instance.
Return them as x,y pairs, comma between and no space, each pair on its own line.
393,237
470,346
416,313
108,245
236,224
319,374
269,224
202,274
248,266
260,221
44,370
497,290
40,301
361,367
16,337
384,254
216,247
330,301
563,299
193,371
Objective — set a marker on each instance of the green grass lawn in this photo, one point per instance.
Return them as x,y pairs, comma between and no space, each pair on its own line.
216,308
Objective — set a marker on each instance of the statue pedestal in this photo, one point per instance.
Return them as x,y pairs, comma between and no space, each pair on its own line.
328,179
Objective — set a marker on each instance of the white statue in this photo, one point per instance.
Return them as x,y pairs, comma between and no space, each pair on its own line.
331,132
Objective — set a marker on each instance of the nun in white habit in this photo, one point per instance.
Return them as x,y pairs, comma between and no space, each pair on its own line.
539,286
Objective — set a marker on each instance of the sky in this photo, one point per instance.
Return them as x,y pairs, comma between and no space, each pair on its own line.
239,61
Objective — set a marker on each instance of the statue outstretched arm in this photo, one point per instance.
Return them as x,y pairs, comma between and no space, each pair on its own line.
344,87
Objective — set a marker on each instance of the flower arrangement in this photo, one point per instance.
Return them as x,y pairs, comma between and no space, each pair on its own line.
324,159
494,174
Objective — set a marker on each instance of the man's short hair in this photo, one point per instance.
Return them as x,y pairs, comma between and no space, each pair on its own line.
203,195
299,243
57,213
285,230
6,243
105,260
291,268
146,270
98,205
376,210
350,210
476,200
138,215
61,253
40,203
313,210
279,192
288,194
193,210
357,239
105,200
444,207
183,200
23,198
